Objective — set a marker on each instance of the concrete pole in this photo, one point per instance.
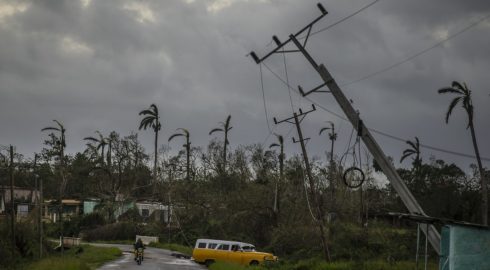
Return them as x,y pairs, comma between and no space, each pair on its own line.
12,199
41,217
313,193
388,169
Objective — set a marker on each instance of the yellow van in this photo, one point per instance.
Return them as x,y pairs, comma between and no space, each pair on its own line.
207,251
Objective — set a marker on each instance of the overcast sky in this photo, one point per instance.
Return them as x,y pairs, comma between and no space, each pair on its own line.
94,64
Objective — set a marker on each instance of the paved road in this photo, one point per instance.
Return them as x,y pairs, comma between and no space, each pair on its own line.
155,259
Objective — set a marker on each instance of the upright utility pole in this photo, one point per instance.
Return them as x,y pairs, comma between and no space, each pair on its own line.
39,187
373,147
12,199
313,194
41,217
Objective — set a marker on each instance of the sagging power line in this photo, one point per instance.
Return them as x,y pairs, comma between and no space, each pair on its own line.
417,54
377,131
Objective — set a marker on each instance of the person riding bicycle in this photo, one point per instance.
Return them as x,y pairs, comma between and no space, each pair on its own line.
139,244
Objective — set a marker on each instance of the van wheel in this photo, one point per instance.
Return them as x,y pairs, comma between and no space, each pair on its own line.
254,263
208,262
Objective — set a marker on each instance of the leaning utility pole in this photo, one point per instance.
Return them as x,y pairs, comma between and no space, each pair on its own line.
388,169
313,194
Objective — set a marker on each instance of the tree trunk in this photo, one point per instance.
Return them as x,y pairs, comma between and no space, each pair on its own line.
62,163
224,150
484,187
109,155
276,191
103,162
188,161
156,156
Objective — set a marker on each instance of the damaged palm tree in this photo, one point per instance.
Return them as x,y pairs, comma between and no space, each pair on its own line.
225,128
463,97
185,133
59,143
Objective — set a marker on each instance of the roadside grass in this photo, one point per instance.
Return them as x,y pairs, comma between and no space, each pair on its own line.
83,258
173,247
316,264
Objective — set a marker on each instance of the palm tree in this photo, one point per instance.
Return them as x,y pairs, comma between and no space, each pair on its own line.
185,133
225,128
463,97
280,144
59,146
152,119
100,142
413,150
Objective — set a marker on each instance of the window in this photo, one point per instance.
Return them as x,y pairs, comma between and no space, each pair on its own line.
22,210
145,212
248,248
235,247
224,247
212,245
201,245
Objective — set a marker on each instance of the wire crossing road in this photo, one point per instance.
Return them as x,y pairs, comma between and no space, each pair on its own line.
155,259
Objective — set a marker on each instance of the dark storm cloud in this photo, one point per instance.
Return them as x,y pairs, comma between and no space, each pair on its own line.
95,64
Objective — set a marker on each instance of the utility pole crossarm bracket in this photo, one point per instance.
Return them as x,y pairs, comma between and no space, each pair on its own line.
314,90
280,44
301,113
297,141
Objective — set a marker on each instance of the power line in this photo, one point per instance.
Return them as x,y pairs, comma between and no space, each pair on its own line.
287,80
337,22
382,133
428,146
411,57
263,99
345,18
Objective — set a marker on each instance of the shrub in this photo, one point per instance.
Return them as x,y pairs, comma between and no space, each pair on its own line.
91,221
111,232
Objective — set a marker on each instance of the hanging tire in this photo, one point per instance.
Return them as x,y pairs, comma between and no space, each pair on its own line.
353,177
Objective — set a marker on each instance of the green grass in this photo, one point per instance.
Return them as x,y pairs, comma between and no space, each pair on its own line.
90,258
315,264
173,247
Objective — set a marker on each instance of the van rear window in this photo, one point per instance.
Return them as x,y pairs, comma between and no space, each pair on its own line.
201,245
